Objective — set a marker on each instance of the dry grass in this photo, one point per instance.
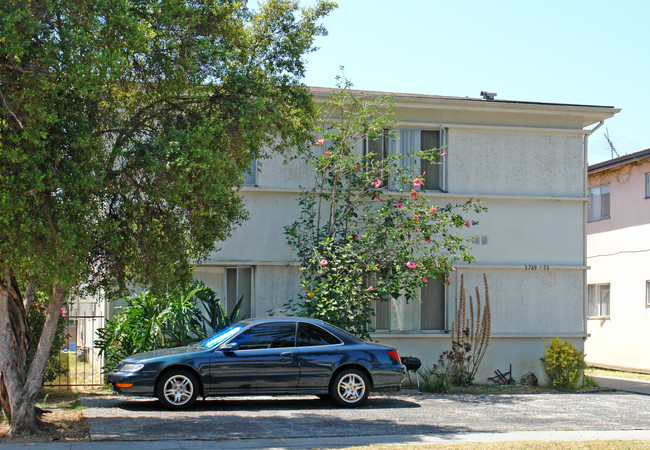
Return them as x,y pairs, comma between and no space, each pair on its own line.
617,373
579,445
63,420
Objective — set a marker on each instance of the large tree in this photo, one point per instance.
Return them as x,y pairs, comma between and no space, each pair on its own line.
125,128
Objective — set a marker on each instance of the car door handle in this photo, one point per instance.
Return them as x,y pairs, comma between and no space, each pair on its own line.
286,353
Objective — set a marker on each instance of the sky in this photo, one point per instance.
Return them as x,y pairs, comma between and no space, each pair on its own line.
571,51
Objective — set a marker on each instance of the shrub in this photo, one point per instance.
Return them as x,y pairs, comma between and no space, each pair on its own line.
563,364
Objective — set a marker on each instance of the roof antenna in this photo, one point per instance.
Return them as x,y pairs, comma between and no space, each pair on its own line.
611,145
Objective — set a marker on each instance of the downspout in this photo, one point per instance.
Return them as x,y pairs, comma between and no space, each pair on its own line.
585,292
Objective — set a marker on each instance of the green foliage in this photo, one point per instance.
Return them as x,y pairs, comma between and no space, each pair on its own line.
150,322
35,321
563,364
356,245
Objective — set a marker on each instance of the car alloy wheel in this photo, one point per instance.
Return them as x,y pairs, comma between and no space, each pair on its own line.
350,388
177,389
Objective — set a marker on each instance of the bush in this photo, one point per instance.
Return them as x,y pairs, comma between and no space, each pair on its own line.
563,364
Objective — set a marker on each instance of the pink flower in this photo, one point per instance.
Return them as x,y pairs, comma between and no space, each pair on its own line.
447,280
411,265
444,154
414,194
320,142
433,209
427,239
467,223
416,217
425,280
371,288
420,300
417,182
400,205
454,269
324,262
327,153
378,197
358,168
384,230
377,184
355,238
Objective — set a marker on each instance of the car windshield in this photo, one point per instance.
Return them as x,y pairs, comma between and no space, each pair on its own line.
222,336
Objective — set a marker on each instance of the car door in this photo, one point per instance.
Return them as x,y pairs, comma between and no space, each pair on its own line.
318,352
263,361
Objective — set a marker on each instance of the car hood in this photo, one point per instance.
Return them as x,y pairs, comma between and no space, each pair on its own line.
163,352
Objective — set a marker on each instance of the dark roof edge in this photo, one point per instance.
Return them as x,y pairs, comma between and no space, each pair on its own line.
322,90
619,161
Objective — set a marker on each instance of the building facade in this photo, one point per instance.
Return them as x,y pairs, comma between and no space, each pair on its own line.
527,164
618,242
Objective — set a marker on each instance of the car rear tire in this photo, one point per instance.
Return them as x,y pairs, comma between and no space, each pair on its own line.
177,389
350,388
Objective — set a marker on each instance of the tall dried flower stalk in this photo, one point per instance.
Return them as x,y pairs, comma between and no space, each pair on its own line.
474,330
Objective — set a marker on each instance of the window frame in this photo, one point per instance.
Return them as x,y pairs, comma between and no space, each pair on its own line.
647,294
389,306
647,185
597,287
600,187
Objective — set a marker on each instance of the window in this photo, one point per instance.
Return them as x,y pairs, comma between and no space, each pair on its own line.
598,205
267,335
598,295
230,284
407,142
310,335
647,185
647,294
428,314
250,178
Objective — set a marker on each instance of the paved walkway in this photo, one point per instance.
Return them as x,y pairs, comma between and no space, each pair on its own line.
347,441
623,384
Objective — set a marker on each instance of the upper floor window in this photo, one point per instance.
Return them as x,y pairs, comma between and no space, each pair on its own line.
598,205
598,295
407,143
250,178
647,294
647,185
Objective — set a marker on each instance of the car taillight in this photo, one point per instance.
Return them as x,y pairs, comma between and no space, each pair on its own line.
394,355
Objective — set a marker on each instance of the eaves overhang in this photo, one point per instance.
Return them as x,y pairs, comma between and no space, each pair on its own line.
588,114
621,160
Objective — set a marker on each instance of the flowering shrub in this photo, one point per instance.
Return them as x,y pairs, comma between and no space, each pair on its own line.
359,245
563,364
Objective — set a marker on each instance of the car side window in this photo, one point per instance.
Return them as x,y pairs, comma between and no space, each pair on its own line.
310,335
267,335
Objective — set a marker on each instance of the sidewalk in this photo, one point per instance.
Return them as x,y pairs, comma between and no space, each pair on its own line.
623,384
348,441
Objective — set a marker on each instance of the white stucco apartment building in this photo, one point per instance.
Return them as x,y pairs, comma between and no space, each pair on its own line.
618,242
526,162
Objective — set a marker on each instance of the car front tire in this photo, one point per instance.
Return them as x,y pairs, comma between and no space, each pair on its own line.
177,389
350,388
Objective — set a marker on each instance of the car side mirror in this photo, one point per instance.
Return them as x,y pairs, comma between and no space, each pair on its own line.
230,347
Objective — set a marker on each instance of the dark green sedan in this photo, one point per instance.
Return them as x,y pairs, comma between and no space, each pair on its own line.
261,357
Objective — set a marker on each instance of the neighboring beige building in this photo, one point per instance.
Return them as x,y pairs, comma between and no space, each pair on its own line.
618,244
526,161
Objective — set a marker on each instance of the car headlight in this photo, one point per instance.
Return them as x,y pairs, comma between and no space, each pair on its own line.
131,367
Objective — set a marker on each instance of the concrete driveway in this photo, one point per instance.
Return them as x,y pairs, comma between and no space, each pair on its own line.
623,384
227,419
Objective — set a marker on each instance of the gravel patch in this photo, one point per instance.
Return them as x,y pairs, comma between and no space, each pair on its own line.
118,417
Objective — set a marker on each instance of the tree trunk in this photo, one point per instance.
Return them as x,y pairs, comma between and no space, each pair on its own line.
22,391
17,336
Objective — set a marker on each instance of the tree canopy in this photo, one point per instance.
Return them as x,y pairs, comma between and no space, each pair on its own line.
125,129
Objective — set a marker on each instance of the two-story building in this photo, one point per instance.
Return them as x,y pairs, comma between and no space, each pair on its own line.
618,243
525,161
